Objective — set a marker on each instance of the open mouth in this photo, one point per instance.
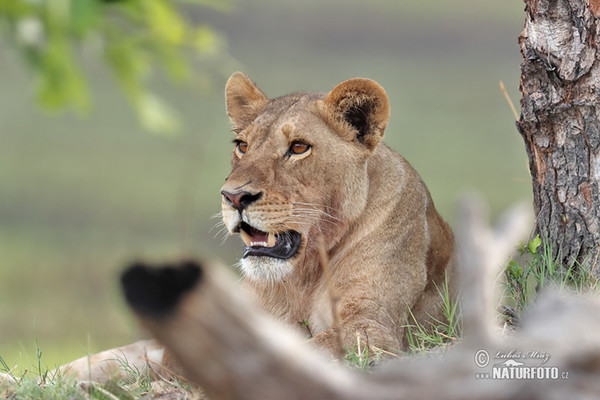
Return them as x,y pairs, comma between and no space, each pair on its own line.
283,245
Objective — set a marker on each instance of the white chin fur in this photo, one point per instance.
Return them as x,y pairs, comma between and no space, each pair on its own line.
265,268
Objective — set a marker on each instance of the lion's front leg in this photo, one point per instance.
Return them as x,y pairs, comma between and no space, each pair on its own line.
372,308
362,325
329,344
118,363
354,339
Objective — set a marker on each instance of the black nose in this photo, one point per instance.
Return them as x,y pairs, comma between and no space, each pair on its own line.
241,200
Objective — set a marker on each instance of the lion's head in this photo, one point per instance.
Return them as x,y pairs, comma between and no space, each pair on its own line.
299,170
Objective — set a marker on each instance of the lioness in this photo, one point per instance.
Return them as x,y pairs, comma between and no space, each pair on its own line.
310,169
307,166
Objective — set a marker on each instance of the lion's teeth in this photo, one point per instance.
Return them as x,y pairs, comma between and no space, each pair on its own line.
251,242
271,241
246,238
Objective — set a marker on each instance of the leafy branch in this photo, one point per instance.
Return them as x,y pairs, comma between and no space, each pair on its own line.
134,38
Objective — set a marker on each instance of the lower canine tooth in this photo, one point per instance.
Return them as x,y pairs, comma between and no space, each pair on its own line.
271,241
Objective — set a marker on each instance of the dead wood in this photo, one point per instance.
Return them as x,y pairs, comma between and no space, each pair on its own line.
226,345
234,351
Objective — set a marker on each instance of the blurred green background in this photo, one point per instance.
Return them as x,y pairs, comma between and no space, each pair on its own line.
81,197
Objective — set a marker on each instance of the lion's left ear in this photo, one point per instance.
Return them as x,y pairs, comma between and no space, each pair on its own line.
363,105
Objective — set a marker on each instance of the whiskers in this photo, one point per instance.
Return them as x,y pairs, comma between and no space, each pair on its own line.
312,212
221,229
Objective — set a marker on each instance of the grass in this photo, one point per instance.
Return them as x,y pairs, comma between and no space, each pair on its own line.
61,387
442,332
362,356
539,268
40,383
50,384
28,388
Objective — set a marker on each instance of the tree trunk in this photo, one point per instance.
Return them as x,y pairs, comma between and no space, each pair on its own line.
560,123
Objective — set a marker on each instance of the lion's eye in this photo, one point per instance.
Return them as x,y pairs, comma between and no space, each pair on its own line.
241,146
298,147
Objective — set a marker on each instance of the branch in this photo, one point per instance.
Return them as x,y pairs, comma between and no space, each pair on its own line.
222,340
234,351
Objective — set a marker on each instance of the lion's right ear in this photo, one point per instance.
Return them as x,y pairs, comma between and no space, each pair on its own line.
243,99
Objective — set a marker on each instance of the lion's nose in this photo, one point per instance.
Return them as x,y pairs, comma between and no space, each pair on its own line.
241,200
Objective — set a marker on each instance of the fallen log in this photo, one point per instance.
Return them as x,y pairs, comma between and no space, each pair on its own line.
232,350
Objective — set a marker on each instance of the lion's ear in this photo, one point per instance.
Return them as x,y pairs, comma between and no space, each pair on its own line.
243,99
363,105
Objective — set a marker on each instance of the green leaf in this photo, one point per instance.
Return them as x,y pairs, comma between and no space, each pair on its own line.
155,115
165,22
220,5
116,389
12,8
515,270
84,15
534,244
57,14
136,35
205,40
60,82
175,63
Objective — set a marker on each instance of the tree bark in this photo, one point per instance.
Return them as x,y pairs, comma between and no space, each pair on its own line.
560,123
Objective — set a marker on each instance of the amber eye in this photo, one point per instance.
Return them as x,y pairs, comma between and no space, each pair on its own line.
298,147
241,146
